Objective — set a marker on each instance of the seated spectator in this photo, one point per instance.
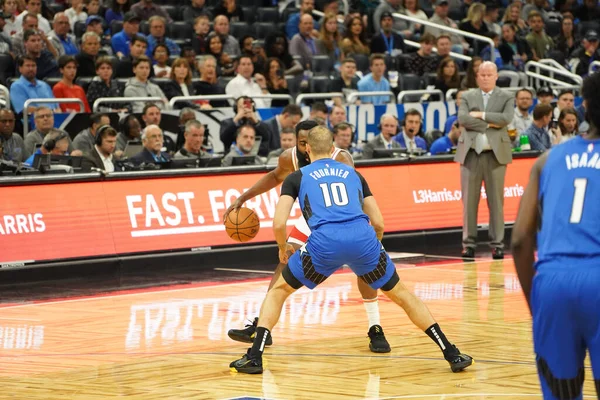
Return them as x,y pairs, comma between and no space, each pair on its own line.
55,142
122,41
46,64
209,84
342,137
303,44
161,55
197,9
194,138
512,16
452,118
567,127
337,115
567,41
411,128
276,45
446,143
539,137
180,83
95,25
474,22
523,118
545,95
5,40
117,12
587,53
93,10
245,136
328,43
30,22
151,115
566,99
245,114
292,24
539,42
152,139
137,48
318,113
447,76
440,17
130,130
44,124
347,81
490,19
28,87
100,156
201,30
470,81
189,54
34,7
252,48
276,82
64,42
289,118
86,139
375,81
12,144
86,59
355,38
157,36
496,57
413,9
390,7
140,85
146,9
76,13
230,9
103,86
422,61
588,11
388,124
66,88
386,41
443,45
225,64
230,44
515,52
10,11
287,140
245,85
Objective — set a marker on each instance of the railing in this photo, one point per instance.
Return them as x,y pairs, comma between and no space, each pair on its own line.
417,92
562,72
551,62
275,97
514,76
45,101
177,99
447,29
355,95
101,100
452,54
593,66
303,96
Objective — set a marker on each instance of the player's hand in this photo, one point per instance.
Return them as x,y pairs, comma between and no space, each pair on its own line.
285,253
234,206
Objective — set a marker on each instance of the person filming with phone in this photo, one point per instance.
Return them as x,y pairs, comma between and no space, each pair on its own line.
245,114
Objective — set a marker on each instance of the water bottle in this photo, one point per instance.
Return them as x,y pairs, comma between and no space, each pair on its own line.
525,146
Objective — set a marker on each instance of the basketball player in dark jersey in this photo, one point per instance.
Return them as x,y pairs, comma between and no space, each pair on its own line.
289,161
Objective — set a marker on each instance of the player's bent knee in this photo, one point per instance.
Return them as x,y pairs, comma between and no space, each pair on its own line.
560,387
389,285
290,279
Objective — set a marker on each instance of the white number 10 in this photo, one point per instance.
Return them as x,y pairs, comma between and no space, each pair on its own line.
578,199
338,193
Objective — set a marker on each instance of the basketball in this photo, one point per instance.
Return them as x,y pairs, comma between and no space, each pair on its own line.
242,224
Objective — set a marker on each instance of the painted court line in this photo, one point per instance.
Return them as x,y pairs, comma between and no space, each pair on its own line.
258,271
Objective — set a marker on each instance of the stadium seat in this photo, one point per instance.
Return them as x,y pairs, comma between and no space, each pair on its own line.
293,84
553,28
285,15
322,65
588,25
56,7
430,78
224,80
145,27
84,82
79,29
181,30
249,14
409,82
264,28
116,26
391,63
52,80
503,81
558,56
455,14
246,3
161,82
174,12
240,29
403,61
320,84
362,62
7,67
267,14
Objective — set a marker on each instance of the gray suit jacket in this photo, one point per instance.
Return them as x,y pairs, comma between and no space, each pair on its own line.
500,111
377,143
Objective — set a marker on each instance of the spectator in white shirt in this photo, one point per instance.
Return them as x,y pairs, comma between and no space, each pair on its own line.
101,155
245,85
34,7
76,13
10,21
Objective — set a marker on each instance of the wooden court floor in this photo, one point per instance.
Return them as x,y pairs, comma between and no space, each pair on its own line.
171,343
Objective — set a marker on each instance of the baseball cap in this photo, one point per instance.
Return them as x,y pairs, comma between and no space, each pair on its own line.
441,3
591,36
545,91
386,14
131,16
93,18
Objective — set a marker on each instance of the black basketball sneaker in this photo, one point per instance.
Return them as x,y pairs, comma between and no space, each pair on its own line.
378,343
457,360
247,334
247,365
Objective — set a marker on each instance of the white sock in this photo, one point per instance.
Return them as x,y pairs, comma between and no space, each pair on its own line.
372,307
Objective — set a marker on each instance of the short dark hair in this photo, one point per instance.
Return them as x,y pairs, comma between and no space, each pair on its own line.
349,60
565,91
29,33
149,106
244,56
374,57
443,36
239,130
541,110
305,125
342,126
96,118
24,58
590,90
140,60
163,46
427,38
138,38
319,106
287,131
292,109
412,111
110,131
523,90
66,59
103,60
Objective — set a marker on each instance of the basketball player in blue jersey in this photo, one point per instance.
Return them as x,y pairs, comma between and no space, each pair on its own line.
289,161
560,205
337,204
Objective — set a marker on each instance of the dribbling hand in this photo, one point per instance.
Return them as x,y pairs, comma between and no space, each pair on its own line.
234,206
286,253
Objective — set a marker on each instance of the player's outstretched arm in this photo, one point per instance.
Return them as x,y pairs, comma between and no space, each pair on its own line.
372,210
266,183
525,228
282,213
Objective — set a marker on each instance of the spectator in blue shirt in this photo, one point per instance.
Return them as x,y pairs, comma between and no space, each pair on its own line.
157,36
538,134
375,82
56,143
411,128
291,25
28,87
46,64
121,41
445,144
452,118
62,40
117,12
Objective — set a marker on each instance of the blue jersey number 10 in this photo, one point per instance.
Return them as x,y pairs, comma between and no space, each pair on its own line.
578,199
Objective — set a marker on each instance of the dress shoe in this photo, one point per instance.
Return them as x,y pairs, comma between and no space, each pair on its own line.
498,253
468,252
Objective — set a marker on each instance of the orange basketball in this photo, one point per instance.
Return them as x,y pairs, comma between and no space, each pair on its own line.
242,224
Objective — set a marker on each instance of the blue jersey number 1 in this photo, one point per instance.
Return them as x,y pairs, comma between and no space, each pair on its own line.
578,199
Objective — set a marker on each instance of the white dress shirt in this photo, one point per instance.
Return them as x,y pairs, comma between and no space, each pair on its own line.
411,145
107,161
240,86
485,143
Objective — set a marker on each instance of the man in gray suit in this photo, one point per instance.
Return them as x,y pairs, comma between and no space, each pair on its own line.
388,125
484,150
